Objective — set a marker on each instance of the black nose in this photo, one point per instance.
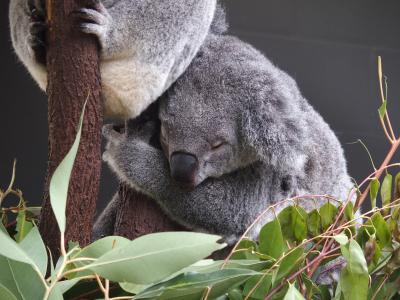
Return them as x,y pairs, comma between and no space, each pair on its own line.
184,167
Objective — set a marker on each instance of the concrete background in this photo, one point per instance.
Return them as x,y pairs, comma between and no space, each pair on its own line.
329,46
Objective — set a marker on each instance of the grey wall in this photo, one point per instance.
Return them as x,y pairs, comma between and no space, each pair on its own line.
329,46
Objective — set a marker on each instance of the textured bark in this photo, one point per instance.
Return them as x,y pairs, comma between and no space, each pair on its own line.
73,74
139,215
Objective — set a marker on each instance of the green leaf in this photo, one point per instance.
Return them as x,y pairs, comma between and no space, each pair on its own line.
397,186
247,249
60,180
153,257
271,239
21,279
23,226
290,262
2,228
373,191
383,234
382,109
349,211
325,294
191,286
328,212
293,223
66,285
342,239
101,247
260,292
386,192
293,294
314,223
311,287
10,249
204,266
6,294
354,278
34,247
235,294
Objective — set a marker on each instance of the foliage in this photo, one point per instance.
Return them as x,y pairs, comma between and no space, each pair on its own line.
297,256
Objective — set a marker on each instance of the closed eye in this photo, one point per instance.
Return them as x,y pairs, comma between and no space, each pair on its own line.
218,145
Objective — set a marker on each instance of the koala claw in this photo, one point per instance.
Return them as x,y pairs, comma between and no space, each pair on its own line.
94,20
37,30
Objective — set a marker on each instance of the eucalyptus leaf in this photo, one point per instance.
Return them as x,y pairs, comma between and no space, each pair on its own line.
258,287
312,288
59,182
65,285
386,192
293,223
314,223
290,262
341,238
153,257
29,283
382,109
354,278
271,239
34,247
10,249
245,250
397,186
383,234
328,212
98,249
293,294
373,191
23,226
6,294
191,286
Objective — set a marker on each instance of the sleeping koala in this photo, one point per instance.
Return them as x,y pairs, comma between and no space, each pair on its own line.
237,136
145,45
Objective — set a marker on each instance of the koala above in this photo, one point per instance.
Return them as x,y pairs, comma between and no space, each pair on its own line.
145,45
237,136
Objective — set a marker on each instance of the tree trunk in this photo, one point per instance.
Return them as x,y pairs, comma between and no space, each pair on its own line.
139,215
73,76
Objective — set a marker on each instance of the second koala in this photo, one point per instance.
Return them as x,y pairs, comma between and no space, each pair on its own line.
145,45
237,136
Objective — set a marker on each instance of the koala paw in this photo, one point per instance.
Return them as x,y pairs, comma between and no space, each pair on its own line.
94,19
38,30
114,139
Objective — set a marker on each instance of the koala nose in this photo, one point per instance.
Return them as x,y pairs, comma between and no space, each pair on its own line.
184,167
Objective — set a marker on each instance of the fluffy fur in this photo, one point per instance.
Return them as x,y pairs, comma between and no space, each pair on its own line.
271,144
145,45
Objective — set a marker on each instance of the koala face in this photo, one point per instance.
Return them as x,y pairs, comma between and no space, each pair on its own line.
200,135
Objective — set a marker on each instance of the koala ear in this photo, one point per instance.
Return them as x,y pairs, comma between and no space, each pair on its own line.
276,134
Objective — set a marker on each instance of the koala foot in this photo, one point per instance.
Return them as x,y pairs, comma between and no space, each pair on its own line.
94,19
38,30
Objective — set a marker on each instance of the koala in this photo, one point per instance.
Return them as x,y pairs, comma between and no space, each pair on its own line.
237,136
145,44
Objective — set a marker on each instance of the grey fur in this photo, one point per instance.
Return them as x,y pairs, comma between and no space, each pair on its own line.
275,144
145,45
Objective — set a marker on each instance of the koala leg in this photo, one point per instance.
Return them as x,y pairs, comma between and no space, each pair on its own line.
104,225
95,19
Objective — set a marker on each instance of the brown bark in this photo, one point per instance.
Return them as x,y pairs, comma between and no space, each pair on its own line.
139,215
73,74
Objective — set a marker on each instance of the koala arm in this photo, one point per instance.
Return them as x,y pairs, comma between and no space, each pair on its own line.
224,206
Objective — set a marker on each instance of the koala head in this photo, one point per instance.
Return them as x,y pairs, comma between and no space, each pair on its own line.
231,108
201,131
